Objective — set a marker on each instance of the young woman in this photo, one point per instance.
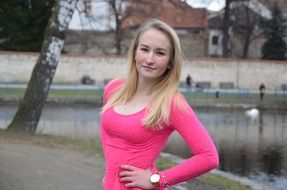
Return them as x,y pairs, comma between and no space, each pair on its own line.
141,111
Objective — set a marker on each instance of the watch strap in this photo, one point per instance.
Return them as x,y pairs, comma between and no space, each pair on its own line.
163,181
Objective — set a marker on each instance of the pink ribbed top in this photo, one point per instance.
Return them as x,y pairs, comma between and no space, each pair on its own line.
126,141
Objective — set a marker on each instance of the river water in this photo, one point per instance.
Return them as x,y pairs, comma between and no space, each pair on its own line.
252,147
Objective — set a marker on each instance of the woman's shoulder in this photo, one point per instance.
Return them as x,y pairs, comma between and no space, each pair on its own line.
178,99
115,83
112,85
179,104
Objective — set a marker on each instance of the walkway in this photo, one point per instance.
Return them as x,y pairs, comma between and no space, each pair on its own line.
28,167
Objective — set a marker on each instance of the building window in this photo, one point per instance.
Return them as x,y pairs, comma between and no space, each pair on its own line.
195,31
215,40
178,18
158,8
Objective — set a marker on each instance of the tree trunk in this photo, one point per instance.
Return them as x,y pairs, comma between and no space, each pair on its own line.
118,35
247,42
226,25
29,111
247,33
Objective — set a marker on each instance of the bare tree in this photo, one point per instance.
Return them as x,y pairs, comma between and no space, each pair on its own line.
241,19
117,9
246,21
124,9
117,12
29,111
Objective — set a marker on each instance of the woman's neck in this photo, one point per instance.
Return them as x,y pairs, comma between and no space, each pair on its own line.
144,87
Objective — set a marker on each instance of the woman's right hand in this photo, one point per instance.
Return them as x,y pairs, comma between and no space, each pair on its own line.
136,177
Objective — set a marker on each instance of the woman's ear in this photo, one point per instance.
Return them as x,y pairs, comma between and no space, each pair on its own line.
167,70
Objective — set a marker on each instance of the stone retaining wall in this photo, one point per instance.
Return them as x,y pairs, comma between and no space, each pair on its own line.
17,67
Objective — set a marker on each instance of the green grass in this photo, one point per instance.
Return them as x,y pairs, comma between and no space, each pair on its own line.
84,93
75,93
11,91
164,163
221,181
88,146
233,97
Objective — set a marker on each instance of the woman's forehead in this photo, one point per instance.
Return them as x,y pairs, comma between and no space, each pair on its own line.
154,37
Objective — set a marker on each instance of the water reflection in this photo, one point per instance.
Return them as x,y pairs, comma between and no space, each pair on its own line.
77,121
248,147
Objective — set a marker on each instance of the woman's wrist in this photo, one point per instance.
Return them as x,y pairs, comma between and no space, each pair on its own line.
163,181
155,180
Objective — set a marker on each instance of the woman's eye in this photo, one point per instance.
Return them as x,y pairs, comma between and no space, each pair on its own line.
144,49
160,53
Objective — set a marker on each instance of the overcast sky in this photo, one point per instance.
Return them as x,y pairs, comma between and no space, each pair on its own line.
213,5
81,23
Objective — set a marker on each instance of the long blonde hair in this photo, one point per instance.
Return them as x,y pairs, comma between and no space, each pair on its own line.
163,92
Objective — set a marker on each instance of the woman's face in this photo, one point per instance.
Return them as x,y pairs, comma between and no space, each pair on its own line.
152,55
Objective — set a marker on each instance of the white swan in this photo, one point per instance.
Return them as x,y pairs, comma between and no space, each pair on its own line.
252,113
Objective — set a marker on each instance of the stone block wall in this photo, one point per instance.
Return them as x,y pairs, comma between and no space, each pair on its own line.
17,68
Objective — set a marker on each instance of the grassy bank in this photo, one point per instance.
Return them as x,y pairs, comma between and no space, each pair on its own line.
227,98
93,147
19,92
97,93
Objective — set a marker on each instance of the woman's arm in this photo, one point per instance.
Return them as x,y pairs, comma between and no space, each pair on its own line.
205,156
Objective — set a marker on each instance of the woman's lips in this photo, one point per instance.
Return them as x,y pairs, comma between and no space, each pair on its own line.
147,67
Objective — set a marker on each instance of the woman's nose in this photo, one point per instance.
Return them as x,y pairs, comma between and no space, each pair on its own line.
150,58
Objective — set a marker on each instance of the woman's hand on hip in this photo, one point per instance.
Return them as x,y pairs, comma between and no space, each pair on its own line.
135,177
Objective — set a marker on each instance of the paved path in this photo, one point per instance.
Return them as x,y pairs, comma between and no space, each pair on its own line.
30,167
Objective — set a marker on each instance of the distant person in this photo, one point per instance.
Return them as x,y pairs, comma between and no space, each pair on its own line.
142,110
217,93
262,91
86,79
188,81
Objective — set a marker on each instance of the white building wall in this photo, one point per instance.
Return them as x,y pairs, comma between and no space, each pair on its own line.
215,50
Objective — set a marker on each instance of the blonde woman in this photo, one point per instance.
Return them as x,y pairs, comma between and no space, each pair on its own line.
141,111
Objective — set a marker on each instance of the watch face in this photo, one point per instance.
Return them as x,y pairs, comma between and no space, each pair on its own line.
154,178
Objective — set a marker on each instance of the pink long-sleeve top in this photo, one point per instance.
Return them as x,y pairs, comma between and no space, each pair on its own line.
126,141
